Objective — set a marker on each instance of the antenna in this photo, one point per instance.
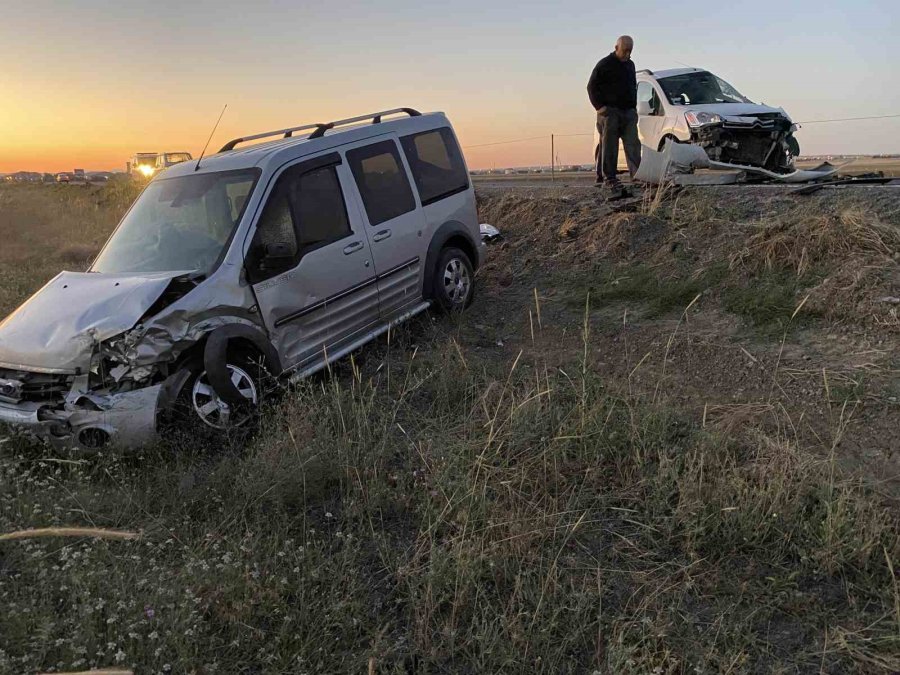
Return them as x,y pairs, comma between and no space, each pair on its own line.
210,137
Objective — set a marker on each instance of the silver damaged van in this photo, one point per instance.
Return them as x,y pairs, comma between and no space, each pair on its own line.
282,255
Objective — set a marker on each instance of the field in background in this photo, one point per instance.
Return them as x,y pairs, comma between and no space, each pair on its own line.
661,440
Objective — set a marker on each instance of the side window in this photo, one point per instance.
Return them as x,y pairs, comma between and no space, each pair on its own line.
275,226
646,92
305,211
437,164
656,103
319,208
382,181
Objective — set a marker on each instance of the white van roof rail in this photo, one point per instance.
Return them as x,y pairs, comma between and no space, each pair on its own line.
318,130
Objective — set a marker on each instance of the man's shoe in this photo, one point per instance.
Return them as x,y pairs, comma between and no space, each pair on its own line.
613,189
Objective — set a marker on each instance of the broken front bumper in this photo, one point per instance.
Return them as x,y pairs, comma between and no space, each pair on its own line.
767,144
90,422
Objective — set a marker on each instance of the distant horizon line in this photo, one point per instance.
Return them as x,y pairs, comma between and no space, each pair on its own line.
889,155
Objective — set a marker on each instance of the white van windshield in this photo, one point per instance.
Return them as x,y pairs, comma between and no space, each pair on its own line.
700,88
179,224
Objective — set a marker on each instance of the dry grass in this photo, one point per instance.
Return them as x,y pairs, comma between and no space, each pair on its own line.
809,238
439,505
81,532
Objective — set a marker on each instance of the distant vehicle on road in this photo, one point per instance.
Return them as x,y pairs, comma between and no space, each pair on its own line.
64,177
78,175
142,164
166,159
691,105
148,164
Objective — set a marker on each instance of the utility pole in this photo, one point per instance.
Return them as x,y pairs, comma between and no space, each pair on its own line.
552,157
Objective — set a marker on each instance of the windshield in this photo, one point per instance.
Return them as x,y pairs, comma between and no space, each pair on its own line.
176,157
700,88
146,159
178,224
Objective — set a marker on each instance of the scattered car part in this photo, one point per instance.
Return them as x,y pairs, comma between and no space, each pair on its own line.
815,187
488,232
681,158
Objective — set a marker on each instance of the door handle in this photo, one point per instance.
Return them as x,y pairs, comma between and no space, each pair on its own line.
383,234
351,248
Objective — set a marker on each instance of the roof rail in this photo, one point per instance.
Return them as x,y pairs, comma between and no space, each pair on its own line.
320,129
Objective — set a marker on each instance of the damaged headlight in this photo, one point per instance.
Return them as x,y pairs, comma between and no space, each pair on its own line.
701,119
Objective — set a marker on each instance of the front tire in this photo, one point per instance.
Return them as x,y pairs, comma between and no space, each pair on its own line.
454,281
199,412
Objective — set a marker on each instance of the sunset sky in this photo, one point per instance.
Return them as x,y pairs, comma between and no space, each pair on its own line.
88,83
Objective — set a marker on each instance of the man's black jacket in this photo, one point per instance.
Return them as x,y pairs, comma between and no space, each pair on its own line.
613,83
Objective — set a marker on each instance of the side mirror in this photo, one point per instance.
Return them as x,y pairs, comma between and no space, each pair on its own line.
643,108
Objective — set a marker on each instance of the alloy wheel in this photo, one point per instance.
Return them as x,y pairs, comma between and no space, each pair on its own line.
215,412
457,281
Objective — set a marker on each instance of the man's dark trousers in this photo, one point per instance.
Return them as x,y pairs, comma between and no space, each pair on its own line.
614,124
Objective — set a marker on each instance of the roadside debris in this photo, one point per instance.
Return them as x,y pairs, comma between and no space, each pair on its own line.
489,233
856,180
678,159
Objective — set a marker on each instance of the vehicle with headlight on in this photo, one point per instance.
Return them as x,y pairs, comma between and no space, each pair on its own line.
142,164
269,259
691,105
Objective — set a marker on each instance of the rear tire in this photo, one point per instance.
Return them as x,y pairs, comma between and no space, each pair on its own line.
454,281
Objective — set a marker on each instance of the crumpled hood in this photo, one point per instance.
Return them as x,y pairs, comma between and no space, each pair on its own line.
55,329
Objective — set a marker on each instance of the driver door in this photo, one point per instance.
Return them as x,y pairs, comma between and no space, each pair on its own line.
310,263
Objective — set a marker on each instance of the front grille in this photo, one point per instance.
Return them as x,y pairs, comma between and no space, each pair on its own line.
18,385
760,121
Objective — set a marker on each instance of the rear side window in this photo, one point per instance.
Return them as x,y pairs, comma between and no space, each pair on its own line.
382,182
437,164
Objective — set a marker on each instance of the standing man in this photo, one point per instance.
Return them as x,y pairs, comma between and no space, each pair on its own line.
613,93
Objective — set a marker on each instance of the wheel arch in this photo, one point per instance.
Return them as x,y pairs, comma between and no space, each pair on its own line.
215,356
451,233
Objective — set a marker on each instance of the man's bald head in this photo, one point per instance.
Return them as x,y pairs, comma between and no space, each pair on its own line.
624,46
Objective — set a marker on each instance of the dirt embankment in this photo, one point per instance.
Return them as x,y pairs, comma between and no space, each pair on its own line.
744,305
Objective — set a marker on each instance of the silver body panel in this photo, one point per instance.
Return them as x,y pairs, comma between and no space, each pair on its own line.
328,298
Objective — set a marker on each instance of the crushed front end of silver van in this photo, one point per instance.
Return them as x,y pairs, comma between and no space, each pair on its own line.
88,360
